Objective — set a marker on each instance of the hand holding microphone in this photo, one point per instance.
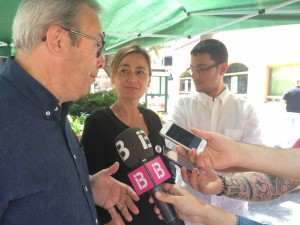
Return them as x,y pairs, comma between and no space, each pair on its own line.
148,172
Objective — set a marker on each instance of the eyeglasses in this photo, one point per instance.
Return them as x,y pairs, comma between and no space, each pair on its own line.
100,45
202,69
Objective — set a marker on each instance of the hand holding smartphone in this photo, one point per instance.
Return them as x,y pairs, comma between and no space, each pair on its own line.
182,137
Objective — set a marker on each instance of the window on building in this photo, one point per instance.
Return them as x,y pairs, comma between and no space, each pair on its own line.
280,78
236,78
168,61
185,83
157,94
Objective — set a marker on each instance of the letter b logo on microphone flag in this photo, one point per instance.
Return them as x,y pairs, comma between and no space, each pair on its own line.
158,170
133,146
149,175
141,180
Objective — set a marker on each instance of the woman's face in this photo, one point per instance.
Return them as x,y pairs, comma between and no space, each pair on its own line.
132,77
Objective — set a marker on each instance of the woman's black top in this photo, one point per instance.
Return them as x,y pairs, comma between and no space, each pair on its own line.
98,139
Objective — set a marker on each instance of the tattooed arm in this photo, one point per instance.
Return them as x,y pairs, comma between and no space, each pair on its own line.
249,186
258,187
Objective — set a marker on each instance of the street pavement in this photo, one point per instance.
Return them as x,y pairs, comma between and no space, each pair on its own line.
284,210
276,125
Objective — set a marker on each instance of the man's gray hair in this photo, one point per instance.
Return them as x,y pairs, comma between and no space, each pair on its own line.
34,17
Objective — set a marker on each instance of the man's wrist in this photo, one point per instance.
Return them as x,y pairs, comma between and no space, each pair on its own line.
213,215
224,186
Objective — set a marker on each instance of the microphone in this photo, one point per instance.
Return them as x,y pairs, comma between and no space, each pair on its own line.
147,172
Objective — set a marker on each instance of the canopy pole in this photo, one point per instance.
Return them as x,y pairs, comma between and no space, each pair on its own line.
3,44
148,33
120,43
294,11
263,11
145,35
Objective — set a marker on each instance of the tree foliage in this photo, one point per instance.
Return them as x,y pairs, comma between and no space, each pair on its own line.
92,102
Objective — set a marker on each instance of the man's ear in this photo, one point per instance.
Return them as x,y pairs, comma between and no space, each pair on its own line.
223,68
149,82
55,39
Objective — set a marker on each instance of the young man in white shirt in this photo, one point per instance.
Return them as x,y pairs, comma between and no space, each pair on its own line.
215,108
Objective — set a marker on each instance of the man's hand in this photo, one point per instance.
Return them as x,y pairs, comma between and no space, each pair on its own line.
205,181
108,192
221,152
187,207
191,209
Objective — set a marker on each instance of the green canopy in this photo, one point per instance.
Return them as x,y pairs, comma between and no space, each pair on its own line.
151,22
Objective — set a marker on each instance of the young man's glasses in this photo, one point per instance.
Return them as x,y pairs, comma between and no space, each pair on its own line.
100,41
202,69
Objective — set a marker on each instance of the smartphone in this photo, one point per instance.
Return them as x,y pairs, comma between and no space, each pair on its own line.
182,137
178,159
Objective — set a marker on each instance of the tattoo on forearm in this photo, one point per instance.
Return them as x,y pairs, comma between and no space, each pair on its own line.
258,187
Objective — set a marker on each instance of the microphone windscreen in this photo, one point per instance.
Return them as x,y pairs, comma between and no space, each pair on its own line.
133,146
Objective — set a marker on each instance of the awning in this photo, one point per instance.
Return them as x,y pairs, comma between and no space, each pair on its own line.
151,22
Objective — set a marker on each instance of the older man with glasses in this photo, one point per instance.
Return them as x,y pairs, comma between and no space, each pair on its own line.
44,176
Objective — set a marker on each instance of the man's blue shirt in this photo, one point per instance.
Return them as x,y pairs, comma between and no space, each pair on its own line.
292,97
244,221
43,173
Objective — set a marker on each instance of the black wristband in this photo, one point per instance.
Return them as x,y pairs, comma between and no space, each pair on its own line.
224,189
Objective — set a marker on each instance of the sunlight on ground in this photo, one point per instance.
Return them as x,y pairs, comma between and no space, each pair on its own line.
284,210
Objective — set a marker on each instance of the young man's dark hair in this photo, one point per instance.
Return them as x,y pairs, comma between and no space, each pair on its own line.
216,49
